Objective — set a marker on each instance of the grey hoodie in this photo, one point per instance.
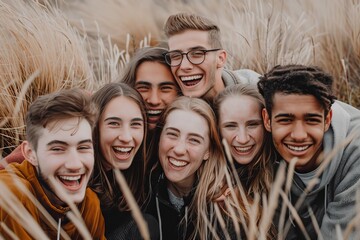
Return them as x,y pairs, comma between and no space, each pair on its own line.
239,76
333,200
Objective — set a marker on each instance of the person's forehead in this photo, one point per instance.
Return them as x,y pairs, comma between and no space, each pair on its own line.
295,103
70,131
188,40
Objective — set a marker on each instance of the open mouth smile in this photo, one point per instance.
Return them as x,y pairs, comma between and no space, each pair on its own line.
122,153
243,149
154,113
297,148
191,80
177,163
71,182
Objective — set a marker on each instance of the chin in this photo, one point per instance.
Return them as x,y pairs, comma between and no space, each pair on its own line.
78,197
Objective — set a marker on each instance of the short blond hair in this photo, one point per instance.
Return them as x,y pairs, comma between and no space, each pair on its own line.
181,22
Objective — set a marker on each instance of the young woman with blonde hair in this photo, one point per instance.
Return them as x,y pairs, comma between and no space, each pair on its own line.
238,109
188,172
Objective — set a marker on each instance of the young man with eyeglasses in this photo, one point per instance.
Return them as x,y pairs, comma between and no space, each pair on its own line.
197,59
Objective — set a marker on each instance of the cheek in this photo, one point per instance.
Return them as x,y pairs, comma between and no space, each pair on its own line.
258,135
227,135
138,136
169,97
197,155
144,95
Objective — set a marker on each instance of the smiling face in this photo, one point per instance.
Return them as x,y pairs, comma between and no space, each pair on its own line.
157,86
242,129
65,154
298,125
183,147
203,80
121,128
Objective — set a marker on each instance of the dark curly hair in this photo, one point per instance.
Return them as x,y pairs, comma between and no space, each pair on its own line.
297,79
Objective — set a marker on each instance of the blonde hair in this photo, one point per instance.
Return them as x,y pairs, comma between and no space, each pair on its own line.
181,22
211,174
259,172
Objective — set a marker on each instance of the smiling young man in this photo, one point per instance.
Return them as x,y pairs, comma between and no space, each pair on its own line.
59,161
197,58
306,124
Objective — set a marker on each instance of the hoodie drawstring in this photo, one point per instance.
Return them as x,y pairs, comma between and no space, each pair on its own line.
58,229
159,216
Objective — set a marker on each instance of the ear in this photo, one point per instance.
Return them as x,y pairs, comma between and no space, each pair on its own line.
328,120
29,153
221,59
266,120
206,156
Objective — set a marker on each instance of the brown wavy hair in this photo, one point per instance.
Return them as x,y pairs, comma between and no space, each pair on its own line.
103,182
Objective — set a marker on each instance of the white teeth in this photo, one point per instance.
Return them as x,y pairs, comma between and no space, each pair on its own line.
243,149
177,163
154,112
123,149
190,78
70,178
299,149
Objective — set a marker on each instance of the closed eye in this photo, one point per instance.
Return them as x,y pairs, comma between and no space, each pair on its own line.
194,140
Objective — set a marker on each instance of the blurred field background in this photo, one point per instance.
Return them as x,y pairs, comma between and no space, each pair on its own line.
49,45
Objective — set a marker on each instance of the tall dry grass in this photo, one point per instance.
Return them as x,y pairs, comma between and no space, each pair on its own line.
62,43
40,53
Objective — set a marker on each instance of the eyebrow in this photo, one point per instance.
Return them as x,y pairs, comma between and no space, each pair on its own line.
191,134
316,115
67,144
280,115
167,83
292,115
148,83
112,118
120,120
189,49
141,82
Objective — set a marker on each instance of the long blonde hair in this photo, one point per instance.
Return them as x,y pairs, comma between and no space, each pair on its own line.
211,174
259,172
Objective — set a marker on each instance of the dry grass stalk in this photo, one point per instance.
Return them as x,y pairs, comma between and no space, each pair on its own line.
221,221
267,214
8,232
294,216
315,223
18,212
135,210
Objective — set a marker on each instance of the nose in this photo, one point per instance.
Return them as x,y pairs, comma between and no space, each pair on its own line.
74,160
125,134
298,132
242,136
180,147
185,63
153,98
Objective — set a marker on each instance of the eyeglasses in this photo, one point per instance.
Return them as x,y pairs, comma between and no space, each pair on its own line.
196,57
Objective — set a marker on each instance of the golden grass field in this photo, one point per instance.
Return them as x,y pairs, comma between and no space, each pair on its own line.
63,43
87,43
46,46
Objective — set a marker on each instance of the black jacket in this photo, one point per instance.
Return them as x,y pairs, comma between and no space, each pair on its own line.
172,224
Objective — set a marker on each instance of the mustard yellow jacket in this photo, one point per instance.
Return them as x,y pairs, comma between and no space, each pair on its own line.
26,174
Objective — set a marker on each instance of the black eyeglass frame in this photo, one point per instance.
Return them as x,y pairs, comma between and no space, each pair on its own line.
168,60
